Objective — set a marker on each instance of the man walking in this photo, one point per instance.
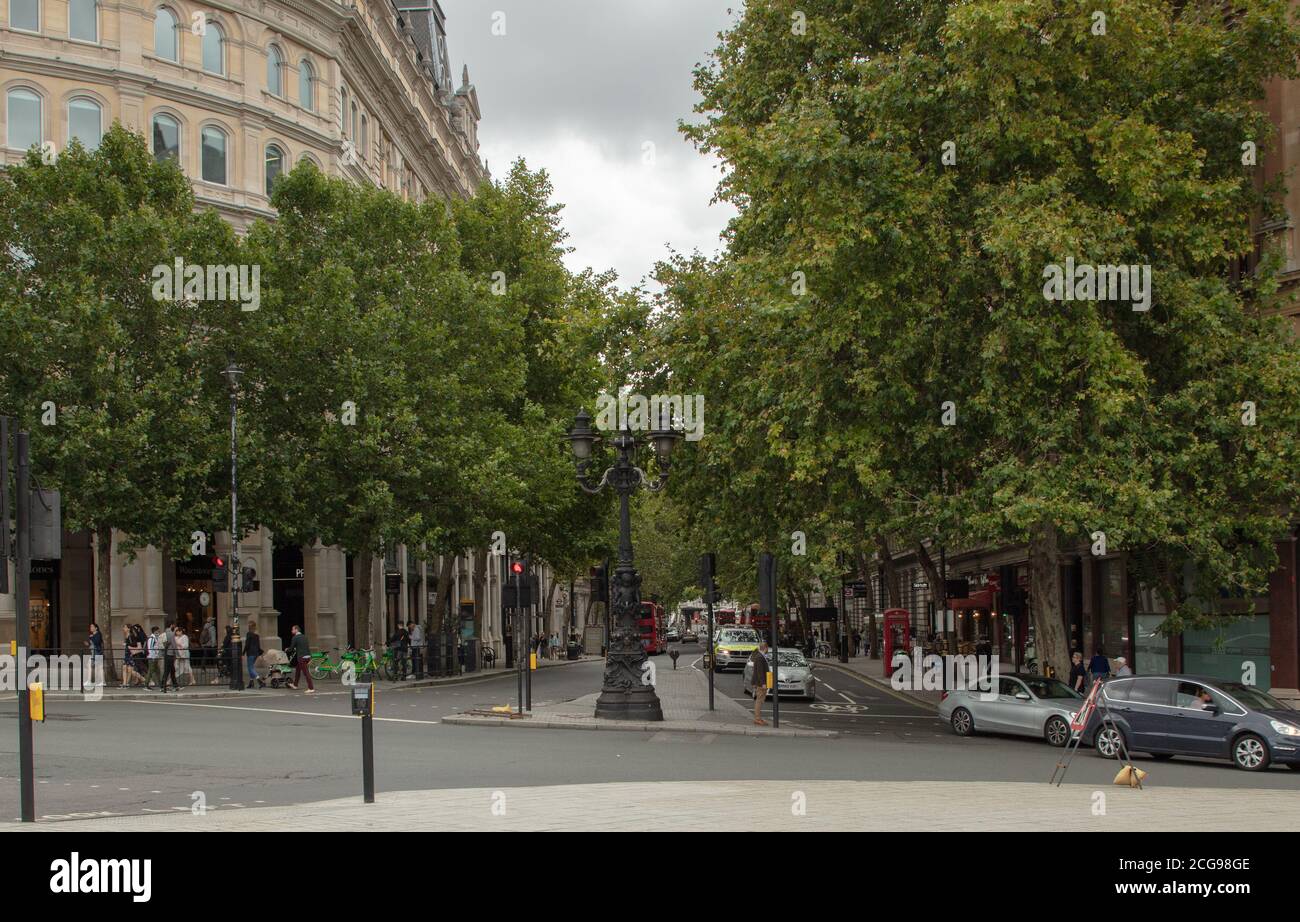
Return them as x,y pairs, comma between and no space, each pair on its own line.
169,657
300,654
207,641
759,678
417,649
155,647
398,644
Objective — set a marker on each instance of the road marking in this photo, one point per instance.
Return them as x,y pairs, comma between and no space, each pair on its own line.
233,707
847,698
827,684
836,708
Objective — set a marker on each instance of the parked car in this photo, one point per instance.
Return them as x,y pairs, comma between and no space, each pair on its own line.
690,637
732,646
795,674
1187,715
1021,704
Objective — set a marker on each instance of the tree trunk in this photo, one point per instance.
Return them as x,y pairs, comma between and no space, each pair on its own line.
550,606
448,561
103,592
892,594
934,578
479,580
1050,642
362,594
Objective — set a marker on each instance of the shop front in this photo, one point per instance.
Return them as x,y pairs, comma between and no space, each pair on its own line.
194,599
43,609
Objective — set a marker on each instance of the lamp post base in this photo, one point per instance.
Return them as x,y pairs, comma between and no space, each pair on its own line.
629,704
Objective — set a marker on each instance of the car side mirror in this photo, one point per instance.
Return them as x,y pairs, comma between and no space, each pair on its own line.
1215,710
1021,696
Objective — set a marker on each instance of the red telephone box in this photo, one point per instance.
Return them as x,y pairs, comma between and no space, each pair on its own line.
898,636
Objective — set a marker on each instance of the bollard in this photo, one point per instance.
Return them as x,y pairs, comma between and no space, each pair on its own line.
674,654
363,705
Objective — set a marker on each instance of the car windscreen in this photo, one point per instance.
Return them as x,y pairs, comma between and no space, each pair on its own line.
1253,698
738,637
792,659
1050,688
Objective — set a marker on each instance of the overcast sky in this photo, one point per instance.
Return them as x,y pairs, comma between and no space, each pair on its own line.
580,87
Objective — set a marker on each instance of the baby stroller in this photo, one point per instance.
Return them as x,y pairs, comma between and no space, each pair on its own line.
275,667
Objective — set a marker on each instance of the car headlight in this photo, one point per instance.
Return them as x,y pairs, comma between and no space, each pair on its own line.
1285,729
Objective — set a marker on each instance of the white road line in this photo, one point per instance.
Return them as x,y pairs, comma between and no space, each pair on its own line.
847,698
825,683
232,707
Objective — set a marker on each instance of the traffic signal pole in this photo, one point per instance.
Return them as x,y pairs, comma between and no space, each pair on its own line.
22,601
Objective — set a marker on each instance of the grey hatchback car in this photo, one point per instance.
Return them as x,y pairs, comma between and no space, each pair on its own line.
1185,715
1026,705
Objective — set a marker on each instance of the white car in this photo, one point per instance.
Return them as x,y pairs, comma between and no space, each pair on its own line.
1026,705
795,674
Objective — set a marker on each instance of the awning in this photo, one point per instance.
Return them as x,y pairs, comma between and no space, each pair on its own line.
981,599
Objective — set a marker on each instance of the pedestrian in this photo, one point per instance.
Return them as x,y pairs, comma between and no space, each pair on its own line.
139,651
155,645
1099,666
758,680
398,644
1122,667
555,645
252,650
300,653
129,674
169,657
417,648
207,642
96,642
1078,673
225,663
184,667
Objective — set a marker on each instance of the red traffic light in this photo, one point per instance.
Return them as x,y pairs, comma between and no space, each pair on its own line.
218,562
517,567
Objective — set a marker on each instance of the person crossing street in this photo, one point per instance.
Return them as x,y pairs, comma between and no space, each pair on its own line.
759,660
300,654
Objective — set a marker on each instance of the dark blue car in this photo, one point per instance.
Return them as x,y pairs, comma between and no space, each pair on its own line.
1183,715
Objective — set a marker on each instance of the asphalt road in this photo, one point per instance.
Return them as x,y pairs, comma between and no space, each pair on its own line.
139,756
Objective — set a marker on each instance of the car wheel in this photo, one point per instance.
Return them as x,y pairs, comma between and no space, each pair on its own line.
1108,742
963,724
1056,731
1250,753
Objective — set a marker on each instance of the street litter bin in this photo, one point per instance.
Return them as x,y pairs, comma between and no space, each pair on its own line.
471,654
574,649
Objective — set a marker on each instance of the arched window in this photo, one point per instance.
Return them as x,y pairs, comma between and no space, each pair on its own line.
214,49
343,111
23,114
354,134
85,121
274,166
165,44
274,72
213,155
166,138
83,20
306,85
25,15
365,137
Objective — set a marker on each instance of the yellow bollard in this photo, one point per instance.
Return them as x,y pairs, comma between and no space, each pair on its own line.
36,701
532,661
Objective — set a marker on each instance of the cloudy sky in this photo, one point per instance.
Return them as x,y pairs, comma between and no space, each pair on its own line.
581,88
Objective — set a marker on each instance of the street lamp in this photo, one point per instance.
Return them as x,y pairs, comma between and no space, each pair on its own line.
232,374
624,695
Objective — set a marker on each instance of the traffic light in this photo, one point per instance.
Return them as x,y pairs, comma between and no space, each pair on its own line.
599,584
220,576
767,583
708,566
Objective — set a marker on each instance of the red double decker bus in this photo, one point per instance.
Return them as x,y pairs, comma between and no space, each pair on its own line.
653,626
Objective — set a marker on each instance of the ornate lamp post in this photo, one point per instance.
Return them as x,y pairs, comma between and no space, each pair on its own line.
624,695
232,374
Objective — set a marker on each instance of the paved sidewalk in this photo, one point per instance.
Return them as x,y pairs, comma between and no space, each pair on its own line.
113,692
683,695
674,806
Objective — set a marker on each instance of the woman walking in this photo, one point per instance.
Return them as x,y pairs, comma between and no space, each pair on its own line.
252,650
184,670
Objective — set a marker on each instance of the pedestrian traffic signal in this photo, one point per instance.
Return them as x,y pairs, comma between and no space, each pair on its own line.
599,584
220,576
516,567
708,566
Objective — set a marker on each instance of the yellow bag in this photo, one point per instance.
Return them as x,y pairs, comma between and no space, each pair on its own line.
1131,776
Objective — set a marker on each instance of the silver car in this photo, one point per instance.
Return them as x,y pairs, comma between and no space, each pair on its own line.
795,674
1026,705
